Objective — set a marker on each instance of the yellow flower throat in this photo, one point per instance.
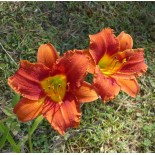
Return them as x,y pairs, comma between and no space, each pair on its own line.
55,87
112,64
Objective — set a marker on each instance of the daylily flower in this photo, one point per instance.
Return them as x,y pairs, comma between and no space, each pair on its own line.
116,64
53,87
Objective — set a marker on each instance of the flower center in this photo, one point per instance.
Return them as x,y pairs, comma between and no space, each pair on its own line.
112,64
55,87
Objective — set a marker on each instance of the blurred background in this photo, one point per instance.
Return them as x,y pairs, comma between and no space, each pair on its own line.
124,124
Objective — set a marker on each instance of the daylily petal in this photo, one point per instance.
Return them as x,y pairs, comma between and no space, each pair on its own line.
86,93
103,43
62,116
125,40
131,87
74,64
26,81
27,110
106,87
91,66
134,65
47,55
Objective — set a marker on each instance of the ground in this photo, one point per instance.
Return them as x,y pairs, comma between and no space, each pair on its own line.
124,124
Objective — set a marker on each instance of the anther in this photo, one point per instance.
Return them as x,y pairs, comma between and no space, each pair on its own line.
115,57
59,85
124,61
116,62
68,86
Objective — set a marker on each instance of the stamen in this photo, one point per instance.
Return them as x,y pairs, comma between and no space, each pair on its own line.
124,61
114,65
115,57
113,60
116,62
55,87
60,102
68,86
59,97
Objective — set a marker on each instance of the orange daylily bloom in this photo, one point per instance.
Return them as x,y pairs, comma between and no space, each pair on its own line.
116,64
53,87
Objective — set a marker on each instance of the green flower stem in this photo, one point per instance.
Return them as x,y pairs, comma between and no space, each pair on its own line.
29,139
31,131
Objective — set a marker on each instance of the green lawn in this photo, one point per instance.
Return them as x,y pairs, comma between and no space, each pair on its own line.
124,124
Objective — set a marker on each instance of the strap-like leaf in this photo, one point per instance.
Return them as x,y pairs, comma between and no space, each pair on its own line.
35,124
15,99
10,139
4,138
32,129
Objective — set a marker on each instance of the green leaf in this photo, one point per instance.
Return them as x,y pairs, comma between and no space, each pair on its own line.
15,99
35,124
10,139
15,126
24,139
32,129
4,138
9,112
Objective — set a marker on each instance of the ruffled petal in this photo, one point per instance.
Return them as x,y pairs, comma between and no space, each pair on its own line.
103,43
91,65
125,41
47,55
74,64
26,81
106,87
134,65
131,87
27,110
64,115
86,93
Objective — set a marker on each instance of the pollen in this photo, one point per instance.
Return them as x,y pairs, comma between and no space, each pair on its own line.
55,87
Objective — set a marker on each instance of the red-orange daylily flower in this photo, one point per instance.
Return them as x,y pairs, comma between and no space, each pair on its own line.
53,87
116,64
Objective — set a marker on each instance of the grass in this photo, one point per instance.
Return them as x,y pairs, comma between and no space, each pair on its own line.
124,124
